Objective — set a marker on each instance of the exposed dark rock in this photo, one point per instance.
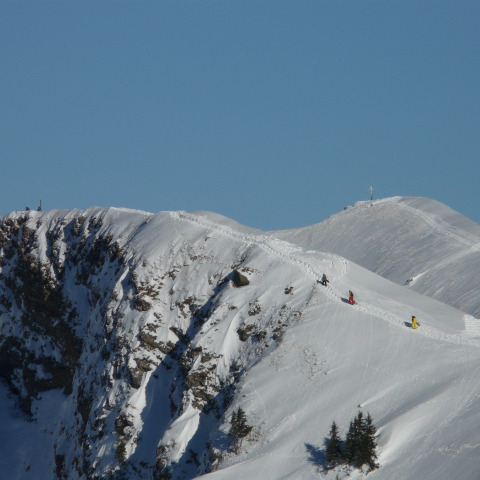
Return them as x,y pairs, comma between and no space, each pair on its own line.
194,352
121,423
254,309
197,379
61,470
239,280
136,374
166,347
141,304
150,342
245,333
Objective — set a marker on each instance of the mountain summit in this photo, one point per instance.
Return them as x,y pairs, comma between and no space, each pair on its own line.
412,241
133,343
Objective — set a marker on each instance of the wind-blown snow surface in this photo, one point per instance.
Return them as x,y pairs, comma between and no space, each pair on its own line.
320,359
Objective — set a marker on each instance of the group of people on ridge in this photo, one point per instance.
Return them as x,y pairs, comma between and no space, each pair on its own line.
324,282
351,301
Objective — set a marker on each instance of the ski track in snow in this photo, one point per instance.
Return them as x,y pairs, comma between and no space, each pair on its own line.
295,255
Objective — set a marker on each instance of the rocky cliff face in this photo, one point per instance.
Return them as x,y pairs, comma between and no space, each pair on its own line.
145,323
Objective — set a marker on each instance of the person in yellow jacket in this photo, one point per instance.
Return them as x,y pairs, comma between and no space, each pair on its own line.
414,322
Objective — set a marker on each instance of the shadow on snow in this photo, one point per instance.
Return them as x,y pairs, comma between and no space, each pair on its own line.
316,455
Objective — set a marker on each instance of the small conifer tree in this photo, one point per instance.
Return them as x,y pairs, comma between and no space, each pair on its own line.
239,428
370,443
353,440
333,454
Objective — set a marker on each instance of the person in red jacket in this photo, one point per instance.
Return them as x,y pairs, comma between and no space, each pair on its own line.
351,300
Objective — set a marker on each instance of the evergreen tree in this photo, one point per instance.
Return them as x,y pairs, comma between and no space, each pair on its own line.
370,443
353,440
349,451
239,428
334,454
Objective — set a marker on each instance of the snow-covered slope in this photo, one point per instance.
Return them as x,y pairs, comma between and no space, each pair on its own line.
129,339
412,241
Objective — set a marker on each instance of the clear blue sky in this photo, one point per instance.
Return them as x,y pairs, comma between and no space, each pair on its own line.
273,113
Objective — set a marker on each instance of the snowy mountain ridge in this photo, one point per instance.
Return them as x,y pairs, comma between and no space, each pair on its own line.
291,254
412,241
129,338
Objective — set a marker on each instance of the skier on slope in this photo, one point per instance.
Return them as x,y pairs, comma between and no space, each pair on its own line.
324,280
351,300
414,322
